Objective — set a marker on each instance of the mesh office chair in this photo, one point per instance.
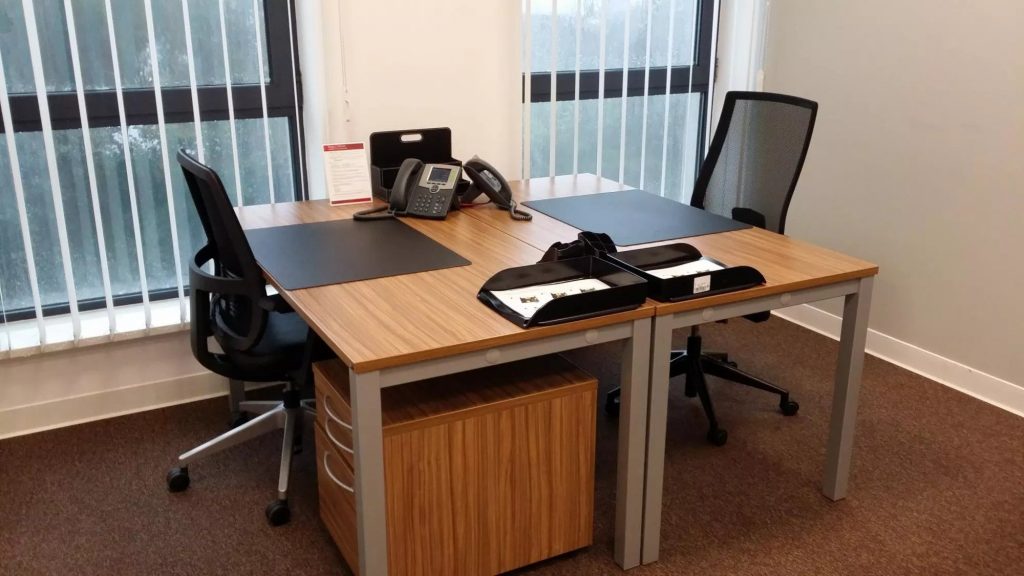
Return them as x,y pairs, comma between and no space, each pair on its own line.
749,175
260,337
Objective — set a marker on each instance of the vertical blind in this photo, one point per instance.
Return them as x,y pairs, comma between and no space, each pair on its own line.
96,97
619,88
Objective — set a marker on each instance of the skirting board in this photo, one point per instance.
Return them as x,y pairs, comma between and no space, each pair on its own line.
951,373
61,412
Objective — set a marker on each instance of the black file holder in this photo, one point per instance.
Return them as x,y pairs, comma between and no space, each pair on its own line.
389,149
728,279
626,291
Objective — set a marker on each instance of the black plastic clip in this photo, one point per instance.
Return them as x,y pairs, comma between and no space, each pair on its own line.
586,244
597,243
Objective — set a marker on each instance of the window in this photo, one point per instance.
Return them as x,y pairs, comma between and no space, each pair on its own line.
584,56
97,97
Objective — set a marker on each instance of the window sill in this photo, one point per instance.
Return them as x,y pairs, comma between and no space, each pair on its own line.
22,339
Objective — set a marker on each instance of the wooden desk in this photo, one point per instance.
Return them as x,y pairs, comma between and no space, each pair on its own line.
796,272
400,329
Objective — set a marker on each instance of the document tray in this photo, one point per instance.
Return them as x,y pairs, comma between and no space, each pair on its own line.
640,262
626,290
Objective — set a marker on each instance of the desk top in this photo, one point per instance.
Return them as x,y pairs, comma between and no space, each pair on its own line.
787,264
387,322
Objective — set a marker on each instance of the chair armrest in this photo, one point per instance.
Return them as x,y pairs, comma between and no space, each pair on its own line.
202,281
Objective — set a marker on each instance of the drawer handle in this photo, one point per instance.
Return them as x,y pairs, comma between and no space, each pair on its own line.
334,440
335,478
333,416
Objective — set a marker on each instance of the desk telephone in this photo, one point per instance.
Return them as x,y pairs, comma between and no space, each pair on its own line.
420,190
492,184
429,190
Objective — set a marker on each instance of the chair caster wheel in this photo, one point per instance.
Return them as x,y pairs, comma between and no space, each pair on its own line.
177,479
718,437
278,513
789,407
611,406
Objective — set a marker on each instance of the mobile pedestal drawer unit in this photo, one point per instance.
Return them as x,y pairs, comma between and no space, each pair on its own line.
485,471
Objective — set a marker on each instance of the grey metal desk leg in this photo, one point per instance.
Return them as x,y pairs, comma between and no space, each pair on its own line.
847,390
657,417
629,494
368,437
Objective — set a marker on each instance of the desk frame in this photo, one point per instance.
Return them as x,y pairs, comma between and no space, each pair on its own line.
850,364
369,442
644,373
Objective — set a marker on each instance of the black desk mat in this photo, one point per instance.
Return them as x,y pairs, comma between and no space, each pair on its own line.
338,251
634,216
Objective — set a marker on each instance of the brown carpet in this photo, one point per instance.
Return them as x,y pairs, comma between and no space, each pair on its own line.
937,484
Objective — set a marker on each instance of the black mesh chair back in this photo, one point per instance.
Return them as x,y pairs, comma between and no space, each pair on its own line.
755,158
226,304
261,338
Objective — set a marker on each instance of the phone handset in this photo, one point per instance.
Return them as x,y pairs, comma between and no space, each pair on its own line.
491,183
399,196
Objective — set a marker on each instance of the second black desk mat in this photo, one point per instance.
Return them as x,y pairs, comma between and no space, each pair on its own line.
338,251
634,216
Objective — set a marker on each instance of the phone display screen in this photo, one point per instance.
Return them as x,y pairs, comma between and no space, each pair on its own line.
439,175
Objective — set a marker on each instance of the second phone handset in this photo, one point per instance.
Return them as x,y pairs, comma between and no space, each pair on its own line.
489,182
420,190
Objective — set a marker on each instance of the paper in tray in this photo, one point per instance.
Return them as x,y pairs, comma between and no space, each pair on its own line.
704,283
624,290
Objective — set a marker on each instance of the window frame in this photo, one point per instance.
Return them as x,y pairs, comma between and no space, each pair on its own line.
682,83
140,110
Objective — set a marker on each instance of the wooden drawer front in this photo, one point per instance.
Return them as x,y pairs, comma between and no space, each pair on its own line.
484,472
335,486
492,493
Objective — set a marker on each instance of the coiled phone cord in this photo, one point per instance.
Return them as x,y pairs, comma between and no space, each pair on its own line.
516,213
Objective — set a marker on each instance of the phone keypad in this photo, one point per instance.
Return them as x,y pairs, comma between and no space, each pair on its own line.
429,204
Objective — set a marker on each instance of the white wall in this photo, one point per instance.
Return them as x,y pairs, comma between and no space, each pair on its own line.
452,63
60,388
916,162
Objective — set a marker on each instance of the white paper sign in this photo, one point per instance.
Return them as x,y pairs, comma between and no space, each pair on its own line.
348,173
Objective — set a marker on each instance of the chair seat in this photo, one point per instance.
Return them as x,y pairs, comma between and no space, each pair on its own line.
279,353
